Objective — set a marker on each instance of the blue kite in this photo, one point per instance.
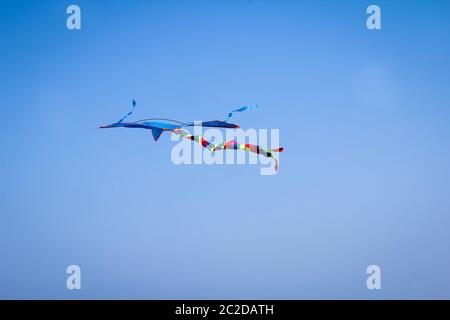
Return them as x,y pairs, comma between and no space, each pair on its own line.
159,125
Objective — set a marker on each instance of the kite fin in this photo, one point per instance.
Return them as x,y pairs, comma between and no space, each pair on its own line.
156,132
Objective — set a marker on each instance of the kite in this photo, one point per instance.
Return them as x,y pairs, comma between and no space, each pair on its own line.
159,125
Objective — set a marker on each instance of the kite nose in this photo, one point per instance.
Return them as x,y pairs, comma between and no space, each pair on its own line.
105,127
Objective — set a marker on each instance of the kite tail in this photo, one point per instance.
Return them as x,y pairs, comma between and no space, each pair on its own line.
233,144
199,139
241,109
129,113
230,145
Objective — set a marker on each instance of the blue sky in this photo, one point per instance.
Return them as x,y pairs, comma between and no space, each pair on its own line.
363,116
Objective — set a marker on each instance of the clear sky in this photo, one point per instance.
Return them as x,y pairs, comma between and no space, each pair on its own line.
363,116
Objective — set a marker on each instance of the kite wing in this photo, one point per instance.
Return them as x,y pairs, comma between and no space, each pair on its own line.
212,124
221,124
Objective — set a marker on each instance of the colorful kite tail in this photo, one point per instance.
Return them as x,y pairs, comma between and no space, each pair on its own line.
233,144
230,145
